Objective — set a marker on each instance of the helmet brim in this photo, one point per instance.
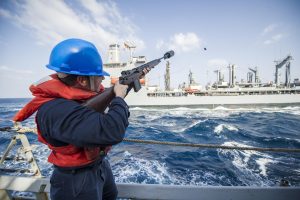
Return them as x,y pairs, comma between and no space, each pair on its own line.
102,73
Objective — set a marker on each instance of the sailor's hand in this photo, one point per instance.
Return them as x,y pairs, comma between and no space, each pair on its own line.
120,90
145,71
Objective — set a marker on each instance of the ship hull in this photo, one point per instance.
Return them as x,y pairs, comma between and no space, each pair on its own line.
141,99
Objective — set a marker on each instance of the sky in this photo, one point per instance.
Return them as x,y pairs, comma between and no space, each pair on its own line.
246,33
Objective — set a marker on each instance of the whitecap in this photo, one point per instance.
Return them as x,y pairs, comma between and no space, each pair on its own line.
152,170
137,108
182,108
262,162
295,110
220,108
297,171
238,161
218,129
127,154
168,123
193,124
241,158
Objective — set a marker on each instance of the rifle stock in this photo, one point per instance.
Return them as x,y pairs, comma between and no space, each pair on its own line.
101,101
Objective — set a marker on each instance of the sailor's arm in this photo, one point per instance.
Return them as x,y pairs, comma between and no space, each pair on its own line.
69,122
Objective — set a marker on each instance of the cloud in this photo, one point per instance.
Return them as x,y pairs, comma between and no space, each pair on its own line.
52,21
273,39
15,71
181,42
218,63
159,44
5,13
269,29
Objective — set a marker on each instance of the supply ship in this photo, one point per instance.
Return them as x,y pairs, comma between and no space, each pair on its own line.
221,92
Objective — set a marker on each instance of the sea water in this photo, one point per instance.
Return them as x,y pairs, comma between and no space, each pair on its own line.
263,126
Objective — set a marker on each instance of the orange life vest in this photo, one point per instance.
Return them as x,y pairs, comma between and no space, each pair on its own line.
48,89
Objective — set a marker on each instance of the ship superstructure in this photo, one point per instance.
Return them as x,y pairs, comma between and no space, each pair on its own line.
114,66
221,92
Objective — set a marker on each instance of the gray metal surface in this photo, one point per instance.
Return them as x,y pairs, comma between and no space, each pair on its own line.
146,191
142,191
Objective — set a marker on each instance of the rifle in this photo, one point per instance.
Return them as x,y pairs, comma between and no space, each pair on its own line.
129,77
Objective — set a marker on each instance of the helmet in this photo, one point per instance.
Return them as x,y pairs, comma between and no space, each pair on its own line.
76,56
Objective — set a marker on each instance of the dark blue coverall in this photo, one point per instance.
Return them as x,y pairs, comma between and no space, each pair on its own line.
64,122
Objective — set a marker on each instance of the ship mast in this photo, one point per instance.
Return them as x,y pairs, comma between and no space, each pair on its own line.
249,77
231,75
167,77
256,78
191,78
218,75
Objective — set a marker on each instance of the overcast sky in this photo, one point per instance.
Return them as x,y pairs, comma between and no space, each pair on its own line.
247,33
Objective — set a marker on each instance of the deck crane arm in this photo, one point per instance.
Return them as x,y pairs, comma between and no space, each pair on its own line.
279,65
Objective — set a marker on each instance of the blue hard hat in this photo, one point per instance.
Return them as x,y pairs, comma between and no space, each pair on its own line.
76,56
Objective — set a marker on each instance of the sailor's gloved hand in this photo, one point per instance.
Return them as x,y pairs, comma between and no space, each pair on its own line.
120,90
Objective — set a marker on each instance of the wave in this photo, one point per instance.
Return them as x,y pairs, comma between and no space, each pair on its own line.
262,162
248,162
221,108
220,128
218,112
192,125
138,170
137,108
133,169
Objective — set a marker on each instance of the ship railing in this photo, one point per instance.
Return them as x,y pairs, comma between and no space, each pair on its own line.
224,92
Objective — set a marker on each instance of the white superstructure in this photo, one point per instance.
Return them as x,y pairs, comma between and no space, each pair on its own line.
220,93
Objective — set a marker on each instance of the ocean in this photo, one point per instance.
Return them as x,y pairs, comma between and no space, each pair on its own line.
276,126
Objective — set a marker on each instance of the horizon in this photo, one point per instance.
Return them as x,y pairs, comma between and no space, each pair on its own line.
244,33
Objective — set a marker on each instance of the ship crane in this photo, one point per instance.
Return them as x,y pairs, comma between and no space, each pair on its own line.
220,76
286,62
256,78
131,48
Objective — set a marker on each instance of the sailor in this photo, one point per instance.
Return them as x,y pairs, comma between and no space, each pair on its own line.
79,138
